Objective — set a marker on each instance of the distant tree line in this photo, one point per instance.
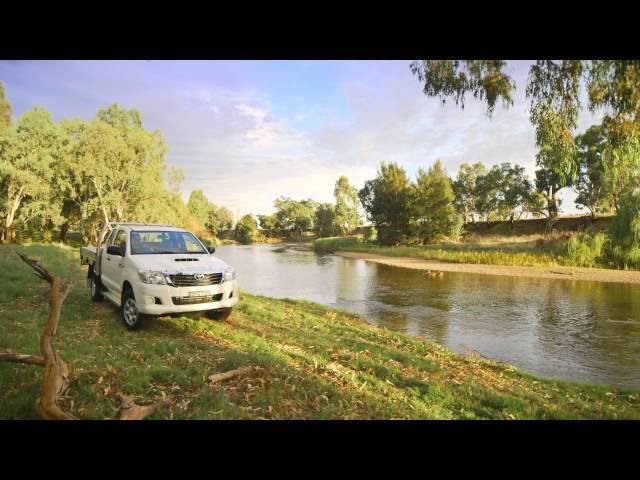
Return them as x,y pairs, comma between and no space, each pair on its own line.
294,217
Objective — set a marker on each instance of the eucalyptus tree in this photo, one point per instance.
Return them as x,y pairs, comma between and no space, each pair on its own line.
346,217
465,188
387,201
28,153
433,205
592,185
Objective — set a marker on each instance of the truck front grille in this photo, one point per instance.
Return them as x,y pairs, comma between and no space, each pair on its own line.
190,280
194,300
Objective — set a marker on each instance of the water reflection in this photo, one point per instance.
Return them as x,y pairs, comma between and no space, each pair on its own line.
571,330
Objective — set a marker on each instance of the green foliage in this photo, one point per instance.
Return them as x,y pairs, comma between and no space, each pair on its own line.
78,174
218,219
370,233
615,84
498,194
247,230
586,250
269,225
536,204
325,220
434,212
548,185
28,156
624,250
387,202
466,189
554,90
484,79
346,218
198,206
295,216
591,184
113,169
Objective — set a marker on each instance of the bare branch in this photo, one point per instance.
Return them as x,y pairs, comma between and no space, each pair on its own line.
40,271
218,377
21,358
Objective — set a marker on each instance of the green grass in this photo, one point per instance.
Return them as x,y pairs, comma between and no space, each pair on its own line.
314,363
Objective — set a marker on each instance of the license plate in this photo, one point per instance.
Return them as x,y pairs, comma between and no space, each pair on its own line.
199,294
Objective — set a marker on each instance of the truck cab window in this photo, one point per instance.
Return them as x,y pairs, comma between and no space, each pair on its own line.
121,240
110,237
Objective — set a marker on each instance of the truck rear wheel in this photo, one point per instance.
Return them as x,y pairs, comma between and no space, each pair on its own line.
95,287
220,314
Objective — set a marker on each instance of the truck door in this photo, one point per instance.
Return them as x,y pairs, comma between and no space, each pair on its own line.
113,265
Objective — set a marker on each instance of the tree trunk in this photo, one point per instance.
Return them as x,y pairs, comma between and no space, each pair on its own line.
56,373
63,232
9,231
552,205
102,205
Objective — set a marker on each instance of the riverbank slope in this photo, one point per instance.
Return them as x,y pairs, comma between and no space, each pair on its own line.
309,362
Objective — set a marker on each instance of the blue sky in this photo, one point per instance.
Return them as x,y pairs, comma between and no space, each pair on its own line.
247,132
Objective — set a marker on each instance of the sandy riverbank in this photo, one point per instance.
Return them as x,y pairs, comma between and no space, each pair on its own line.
555,273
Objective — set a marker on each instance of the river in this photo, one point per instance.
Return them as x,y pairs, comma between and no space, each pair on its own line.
564,329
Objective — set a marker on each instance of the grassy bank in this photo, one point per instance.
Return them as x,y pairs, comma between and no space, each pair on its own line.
314,362
490,251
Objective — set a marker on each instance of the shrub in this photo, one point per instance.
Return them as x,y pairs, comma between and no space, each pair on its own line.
247,230
370,233
624,250
586,250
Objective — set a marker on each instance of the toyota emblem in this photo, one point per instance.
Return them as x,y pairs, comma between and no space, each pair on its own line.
198,276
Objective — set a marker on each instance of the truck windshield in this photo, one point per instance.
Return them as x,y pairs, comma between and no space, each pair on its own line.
158,242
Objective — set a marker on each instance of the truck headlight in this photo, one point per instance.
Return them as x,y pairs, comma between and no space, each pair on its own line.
229,274
156,278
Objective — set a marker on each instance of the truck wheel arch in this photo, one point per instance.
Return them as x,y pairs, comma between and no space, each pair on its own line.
126,286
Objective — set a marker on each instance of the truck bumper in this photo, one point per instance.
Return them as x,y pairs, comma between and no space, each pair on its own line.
165,299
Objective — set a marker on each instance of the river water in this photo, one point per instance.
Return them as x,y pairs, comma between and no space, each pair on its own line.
564,329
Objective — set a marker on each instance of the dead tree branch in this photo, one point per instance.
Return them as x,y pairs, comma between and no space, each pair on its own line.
56,372
219,377
20,358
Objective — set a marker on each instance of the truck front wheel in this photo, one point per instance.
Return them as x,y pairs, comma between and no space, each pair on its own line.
95,287
129,313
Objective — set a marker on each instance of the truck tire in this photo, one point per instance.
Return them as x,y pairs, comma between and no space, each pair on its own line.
220,314
95,287
129,313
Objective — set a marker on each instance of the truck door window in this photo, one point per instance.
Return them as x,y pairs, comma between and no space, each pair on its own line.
121,240
110,237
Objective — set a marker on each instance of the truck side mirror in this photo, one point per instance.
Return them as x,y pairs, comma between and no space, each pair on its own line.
211,249
115,250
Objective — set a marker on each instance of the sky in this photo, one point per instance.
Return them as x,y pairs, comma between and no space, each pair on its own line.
247,132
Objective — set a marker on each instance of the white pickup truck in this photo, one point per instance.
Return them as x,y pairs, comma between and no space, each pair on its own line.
152,270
